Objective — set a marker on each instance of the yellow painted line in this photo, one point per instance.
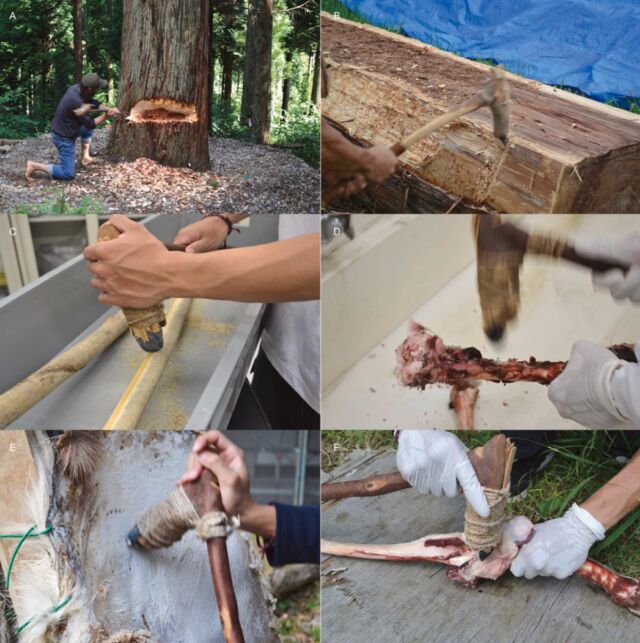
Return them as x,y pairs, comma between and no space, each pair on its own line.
112,422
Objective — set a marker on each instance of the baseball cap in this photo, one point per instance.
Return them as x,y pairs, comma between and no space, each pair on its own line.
94,81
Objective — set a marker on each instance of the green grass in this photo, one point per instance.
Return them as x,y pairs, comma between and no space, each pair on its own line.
298,616
336,7
58,205
582,464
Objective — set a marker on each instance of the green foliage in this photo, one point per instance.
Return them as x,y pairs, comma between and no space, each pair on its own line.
300,128
58,205
582,464
37,65
335,7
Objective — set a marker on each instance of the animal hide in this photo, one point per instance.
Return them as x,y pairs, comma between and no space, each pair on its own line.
122,595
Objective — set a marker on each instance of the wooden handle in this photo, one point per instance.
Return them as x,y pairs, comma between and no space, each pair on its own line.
598,265
205,497
128,411
466,108
372,486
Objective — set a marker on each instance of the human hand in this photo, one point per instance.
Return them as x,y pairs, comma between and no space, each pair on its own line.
435,461
113,111
582,392
622,249
378,163
559,547
132,270
203,236
215,452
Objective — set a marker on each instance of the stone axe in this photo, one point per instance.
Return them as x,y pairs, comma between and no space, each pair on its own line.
493,94
500,251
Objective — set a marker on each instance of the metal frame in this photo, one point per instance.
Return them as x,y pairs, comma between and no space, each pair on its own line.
49,314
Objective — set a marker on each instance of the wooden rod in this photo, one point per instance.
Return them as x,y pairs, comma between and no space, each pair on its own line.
371,486
129,409
27,393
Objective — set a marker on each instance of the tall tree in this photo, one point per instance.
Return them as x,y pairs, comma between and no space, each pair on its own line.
316,76
248,79
165,84
262,94
77,39
286,84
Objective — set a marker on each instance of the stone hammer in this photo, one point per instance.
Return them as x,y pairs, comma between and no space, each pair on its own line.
500,251
493,94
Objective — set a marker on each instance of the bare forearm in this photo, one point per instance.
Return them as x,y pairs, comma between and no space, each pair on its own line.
339,155
618,497
259,519
274,272
100,119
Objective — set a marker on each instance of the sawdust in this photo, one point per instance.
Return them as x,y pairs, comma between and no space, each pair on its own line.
217,333
242,177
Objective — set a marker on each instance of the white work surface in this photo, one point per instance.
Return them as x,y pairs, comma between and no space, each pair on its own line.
558,306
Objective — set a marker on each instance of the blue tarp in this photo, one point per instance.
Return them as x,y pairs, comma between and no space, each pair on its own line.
589,45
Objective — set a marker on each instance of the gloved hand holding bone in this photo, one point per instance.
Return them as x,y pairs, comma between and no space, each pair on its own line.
559,547
598,390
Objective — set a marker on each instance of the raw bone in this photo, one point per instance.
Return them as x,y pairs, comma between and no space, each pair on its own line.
467,568
423,359
463,402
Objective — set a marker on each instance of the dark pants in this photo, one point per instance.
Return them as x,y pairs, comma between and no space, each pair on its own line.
283,407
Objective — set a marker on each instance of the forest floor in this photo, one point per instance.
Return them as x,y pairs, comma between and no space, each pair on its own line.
242,177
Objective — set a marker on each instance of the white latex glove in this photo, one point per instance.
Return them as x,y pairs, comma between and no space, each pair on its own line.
434,461
559,547
583,393
625,249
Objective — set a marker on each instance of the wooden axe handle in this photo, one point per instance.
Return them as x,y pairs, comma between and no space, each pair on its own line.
333,193
422,132
598,265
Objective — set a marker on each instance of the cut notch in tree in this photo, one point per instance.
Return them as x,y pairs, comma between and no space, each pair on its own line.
162,110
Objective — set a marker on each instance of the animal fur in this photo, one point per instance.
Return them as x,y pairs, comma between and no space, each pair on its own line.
139,636
78,453
7,624
41,578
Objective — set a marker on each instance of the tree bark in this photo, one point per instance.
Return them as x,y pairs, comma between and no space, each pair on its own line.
227,76
77,39
262,96
286,84
165,83
316,77
248,88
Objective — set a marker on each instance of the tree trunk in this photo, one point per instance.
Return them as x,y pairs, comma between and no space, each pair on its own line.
77,39
316,77
165,83
262,96
227,76
286,84
248,85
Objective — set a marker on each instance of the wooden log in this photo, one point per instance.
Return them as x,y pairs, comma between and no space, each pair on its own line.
565,153
372,486
27,393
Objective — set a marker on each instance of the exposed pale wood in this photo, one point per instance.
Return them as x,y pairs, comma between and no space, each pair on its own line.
129,409
565,154
27,393
374,601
